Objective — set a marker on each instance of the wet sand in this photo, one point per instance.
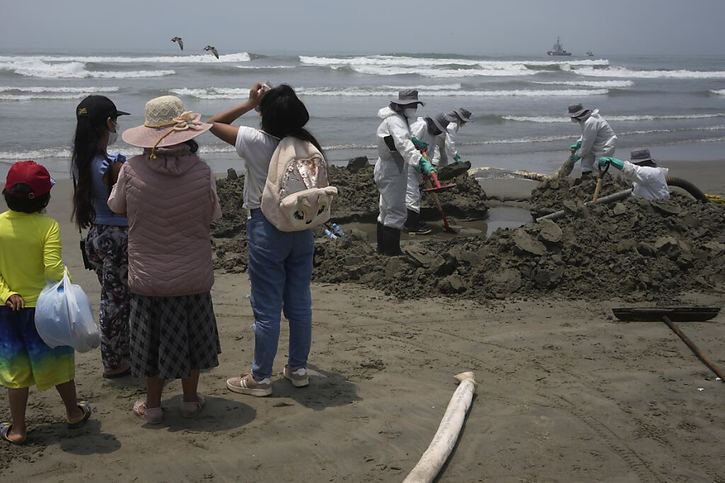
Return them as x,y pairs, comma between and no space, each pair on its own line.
566,394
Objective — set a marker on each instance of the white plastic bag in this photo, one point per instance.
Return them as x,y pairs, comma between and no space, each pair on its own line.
63,316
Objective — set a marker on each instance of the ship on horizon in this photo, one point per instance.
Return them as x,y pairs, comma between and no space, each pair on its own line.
558,49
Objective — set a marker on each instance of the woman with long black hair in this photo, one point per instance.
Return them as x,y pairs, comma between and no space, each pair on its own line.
106,245
280,263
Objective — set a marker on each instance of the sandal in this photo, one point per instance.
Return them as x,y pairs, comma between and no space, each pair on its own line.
150,415
86,408
191,409
5,429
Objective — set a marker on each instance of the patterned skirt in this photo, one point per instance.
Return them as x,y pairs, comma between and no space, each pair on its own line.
172,336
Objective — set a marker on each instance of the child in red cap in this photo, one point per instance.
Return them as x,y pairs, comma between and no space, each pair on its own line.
30,255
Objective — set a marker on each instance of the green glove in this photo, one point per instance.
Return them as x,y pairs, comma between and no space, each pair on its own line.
419,145
575,146
574,157
426,167
457,158
607,160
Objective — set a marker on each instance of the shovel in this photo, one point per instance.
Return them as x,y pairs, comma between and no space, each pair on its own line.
670,315
598,189
433,189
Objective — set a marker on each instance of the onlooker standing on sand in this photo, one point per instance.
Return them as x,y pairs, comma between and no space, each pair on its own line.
94,174
395,153
429,130
280,263
597,139
447,144
30,254
169,196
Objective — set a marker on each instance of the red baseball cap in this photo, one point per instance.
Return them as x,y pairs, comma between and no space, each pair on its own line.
32,174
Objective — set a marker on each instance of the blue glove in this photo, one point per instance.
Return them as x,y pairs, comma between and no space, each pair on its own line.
607,160
574,157
575,146
425,166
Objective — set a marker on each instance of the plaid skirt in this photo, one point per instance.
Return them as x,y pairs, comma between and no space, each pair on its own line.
172,336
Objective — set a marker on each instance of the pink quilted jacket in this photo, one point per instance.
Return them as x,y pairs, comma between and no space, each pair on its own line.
170,202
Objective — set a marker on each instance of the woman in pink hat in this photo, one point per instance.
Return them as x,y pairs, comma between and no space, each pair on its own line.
169,196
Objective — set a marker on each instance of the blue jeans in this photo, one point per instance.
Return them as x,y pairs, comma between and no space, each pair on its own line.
280,270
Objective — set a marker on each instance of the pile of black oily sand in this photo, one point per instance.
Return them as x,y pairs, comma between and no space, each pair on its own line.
229,235
357,201
551,194
633,249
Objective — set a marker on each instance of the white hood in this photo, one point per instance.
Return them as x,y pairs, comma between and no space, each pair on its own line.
386,112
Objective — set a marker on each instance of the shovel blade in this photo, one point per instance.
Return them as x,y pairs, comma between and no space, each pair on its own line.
676,314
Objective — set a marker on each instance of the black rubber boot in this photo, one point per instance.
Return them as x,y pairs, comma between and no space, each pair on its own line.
392,242
381,238
411,222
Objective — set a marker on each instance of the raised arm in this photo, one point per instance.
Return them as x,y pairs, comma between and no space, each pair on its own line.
222,121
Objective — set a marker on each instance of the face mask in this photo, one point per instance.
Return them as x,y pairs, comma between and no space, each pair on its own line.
410,112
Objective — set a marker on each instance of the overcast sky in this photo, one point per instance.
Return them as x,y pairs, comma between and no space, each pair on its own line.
367,26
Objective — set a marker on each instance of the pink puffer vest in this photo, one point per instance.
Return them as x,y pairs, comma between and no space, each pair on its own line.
169,205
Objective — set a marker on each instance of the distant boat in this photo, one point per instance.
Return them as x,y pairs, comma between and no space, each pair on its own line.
590,53
558,49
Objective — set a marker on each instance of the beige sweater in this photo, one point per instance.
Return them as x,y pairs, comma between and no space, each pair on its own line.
169,202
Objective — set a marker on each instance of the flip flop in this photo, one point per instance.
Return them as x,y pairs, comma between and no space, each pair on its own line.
149,415
86,408
5,431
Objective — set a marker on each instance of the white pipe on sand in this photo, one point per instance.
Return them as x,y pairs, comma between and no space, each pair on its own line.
445,438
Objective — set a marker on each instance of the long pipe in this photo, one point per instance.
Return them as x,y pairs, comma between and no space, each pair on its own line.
445,438
619,195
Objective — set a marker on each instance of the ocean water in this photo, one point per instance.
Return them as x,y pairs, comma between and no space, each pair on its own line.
675,106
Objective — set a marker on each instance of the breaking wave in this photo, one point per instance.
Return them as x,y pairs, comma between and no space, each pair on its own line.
166,59
621,72
16,93
612,84
386,65
73,70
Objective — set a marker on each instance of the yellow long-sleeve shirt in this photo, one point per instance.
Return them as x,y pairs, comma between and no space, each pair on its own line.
30,255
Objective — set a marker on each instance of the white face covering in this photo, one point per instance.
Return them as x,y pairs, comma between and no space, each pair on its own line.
113,135
410,112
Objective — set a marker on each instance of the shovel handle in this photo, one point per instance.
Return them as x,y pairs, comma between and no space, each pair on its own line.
705,360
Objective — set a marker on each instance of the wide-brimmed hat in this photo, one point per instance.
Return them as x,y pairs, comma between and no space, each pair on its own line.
407,97
166,123
642,157
97,109
461,114
440,121
577,110
32,174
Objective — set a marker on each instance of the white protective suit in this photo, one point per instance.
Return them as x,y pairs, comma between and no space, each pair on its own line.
391,168
447,145
647,182
598,139
419,129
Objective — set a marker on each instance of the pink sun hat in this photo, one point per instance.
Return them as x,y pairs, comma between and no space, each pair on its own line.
166,123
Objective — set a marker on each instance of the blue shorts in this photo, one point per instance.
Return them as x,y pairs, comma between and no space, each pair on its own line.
25,360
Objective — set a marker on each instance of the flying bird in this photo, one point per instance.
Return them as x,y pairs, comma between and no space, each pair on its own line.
212,49
179,41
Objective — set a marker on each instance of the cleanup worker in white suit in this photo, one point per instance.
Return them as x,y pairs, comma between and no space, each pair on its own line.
648,180
395,153
447,144
597,139
428,130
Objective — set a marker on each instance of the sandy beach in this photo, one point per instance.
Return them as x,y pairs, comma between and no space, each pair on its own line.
566,392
